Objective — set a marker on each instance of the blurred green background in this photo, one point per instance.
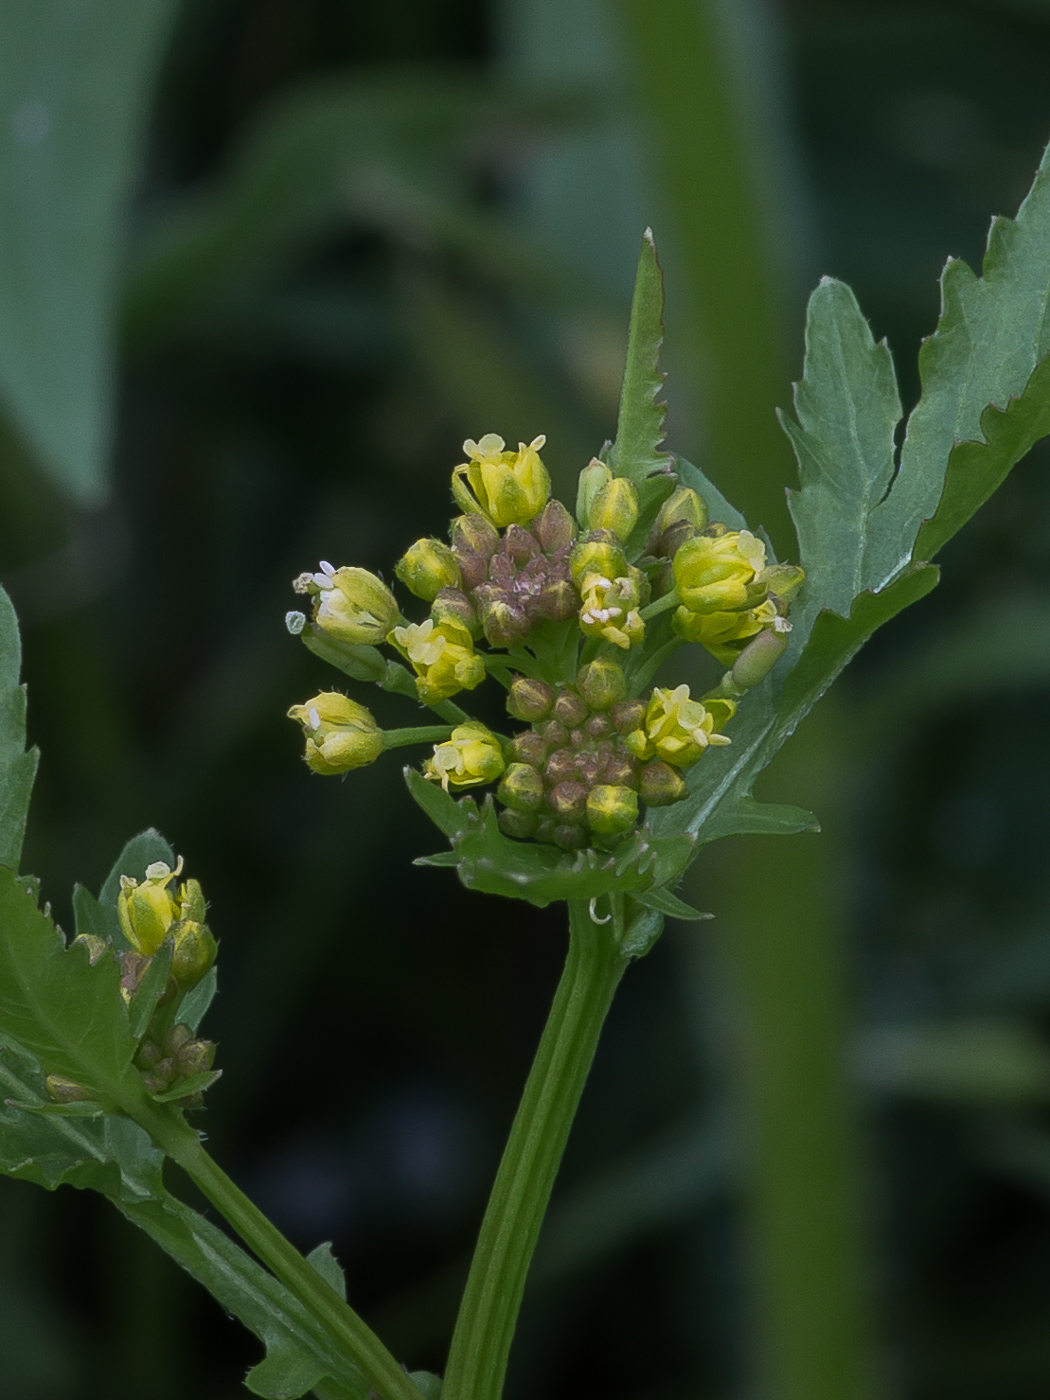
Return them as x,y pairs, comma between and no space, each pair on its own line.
263,266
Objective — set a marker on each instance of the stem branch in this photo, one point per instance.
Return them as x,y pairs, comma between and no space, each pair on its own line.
488,1314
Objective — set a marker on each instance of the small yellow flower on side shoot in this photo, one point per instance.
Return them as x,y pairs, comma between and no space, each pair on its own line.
716,573
148,908
340,734
509,488
443,656
471,756
678,729
350,604
610,610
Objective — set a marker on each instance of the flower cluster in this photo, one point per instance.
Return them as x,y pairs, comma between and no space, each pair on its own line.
573,616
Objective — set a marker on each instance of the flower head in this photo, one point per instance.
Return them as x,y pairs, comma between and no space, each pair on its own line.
717,573
678,729
610,610
350,604
151,909
508,488
443,656
340,734
471,756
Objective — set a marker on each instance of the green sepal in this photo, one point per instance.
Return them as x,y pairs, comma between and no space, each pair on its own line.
150,990
668,904
17,765
194,1084
487,860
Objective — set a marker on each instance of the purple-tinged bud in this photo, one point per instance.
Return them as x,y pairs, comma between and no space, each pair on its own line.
671,540
557,601
570,709
195,1057
611,810
62,1090
147,1055
554,732
520,546
620,770
165,1070
599,726
176,1038
627,715
529,747
520,825
553,527
521,788
560,766
504,622
453,605
660,784
602,684
570,836
474,541
529,699
589,767
577,738
568,799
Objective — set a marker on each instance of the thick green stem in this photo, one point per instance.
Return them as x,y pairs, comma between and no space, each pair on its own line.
353,1338
424,734
489,1311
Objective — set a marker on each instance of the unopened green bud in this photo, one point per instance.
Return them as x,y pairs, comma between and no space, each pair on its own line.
147,909
614,507
627,715
660,784
594,476
598,556
611,810
194,1057
602,684
683,506
520,825
521,788
783,580
350,604
428,567
760,656
529,699
340,734
147,1055
62,1090
194,953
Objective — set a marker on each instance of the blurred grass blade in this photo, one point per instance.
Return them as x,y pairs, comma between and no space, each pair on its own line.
17,766
75,75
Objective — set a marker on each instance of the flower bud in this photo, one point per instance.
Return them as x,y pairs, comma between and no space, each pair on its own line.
61,1090
521,788
598,556
659,784
627,715
471,756
528,748
340,734
195,951
569,709
453,605
350,605
683,507
147,1055
678,729
615,508
504,621
443,656
594,476
554,527
195,1057
716,573
611,810
783,580
759,657
601,683
520,825
147,909
610,609
529,699
474,541
427,567
557,601
568,799
570,836
507,487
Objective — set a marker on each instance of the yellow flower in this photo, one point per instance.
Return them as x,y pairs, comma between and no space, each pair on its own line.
509,488
351,605
610,610
716,573
471,756
443,656
148,909
340,734
428,567
726,633
678,729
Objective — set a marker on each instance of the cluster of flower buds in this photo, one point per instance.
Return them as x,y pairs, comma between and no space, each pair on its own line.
602,744
176,1055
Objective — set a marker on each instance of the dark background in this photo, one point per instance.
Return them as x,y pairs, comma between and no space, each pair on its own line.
314,312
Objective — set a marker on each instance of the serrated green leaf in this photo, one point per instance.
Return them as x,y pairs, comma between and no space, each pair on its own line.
327,1265
285,1374
17,766
640,426
197,1000
89,915
718,508
441,807
976,469
847,409
68,1014
76,84
192,1084
744,816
